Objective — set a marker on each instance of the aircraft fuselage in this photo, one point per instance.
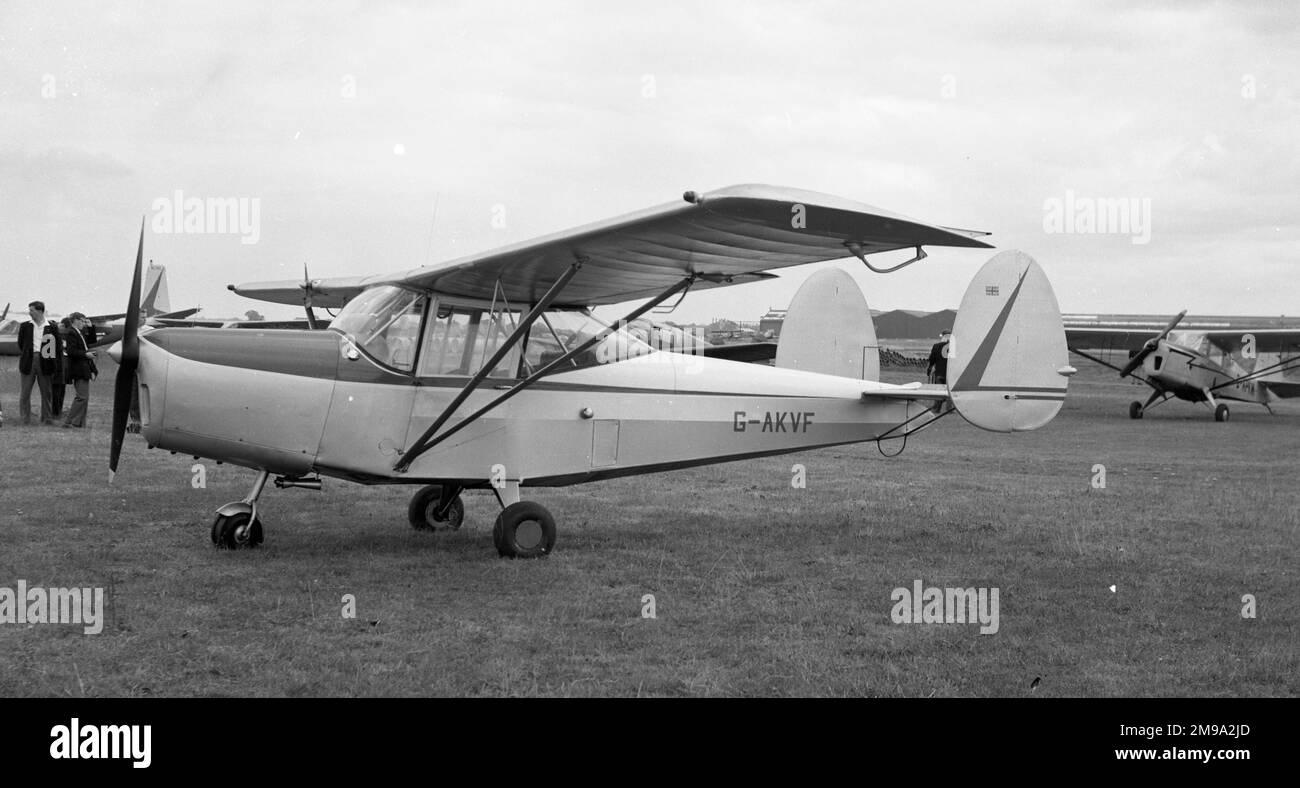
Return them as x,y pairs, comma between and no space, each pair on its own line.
301,402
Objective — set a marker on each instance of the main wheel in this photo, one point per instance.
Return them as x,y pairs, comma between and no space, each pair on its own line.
234,531
1221,412
423,511
524,530
1135,410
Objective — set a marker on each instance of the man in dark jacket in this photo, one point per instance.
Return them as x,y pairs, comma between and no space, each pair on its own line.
81,367
40,351
937,368
59,380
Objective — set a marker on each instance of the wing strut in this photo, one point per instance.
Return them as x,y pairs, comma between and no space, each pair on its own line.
427,441
859,253
1281,366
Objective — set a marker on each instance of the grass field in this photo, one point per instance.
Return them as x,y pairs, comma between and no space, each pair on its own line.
760,588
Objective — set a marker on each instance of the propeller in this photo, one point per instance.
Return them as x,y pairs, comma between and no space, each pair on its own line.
128,358
6,313
1150,346
307,289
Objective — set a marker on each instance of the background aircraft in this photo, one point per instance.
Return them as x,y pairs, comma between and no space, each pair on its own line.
377,399
108,328
1212,359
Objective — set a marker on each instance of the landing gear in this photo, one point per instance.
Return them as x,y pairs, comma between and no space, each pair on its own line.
524,530
1221,412
1135,410
236,530
432,510
237,524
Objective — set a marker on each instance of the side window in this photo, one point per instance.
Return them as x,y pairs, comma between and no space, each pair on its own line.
459,340
444,343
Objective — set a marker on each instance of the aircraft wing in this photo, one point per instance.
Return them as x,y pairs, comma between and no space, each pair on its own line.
1266,340
326,293
727,236
1107,338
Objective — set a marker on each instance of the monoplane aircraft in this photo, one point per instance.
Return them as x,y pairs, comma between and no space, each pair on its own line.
490,372
1214,360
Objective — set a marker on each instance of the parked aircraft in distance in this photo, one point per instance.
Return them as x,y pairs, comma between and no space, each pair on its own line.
1212,359
154,303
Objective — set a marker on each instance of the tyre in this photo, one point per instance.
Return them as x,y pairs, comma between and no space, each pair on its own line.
233,531
524,530
1135,410
1221,412
422,512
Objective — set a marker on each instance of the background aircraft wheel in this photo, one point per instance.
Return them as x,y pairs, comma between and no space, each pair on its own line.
1135,410
234,531
524,530
1221,412
424,503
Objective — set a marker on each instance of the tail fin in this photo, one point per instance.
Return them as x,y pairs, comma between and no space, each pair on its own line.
155,301
828,329
1007,360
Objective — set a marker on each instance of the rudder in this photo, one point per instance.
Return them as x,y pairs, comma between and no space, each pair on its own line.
1007,361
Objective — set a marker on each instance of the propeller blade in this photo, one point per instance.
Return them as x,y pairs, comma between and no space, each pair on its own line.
306,298
1137,360
1172,323
127,363
1150,346
6,313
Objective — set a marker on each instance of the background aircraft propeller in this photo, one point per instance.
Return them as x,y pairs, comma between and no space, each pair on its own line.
1150,346
308,287
128,359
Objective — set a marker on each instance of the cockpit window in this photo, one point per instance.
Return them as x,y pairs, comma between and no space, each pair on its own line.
385,323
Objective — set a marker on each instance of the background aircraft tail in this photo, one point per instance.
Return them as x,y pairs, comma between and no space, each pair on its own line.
155,301
1007,360
828,329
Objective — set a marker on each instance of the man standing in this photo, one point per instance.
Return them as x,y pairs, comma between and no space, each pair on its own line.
937,369
81,367
40,350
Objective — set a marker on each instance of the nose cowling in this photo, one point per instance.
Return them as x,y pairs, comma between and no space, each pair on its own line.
115,352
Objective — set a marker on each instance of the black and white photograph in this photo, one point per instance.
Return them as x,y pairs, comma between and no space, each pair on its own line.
719,349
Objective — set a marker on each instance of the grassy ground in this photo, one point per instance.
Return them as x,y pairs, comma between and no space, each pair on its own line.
760,589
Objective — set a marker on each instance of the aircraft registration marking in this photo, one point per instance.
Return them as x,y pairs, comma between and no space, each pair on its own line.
778,421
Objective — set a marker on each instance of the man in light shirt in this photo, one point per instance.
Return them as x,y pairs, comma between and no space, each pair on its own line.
40,350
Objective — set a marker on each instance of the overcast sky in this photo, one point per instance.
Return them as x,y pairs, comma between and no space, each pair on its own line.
349,123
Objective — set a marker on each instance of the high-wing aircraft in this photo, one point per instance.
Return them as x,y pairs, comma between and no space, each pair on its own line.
1214,359
490,372
154,303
